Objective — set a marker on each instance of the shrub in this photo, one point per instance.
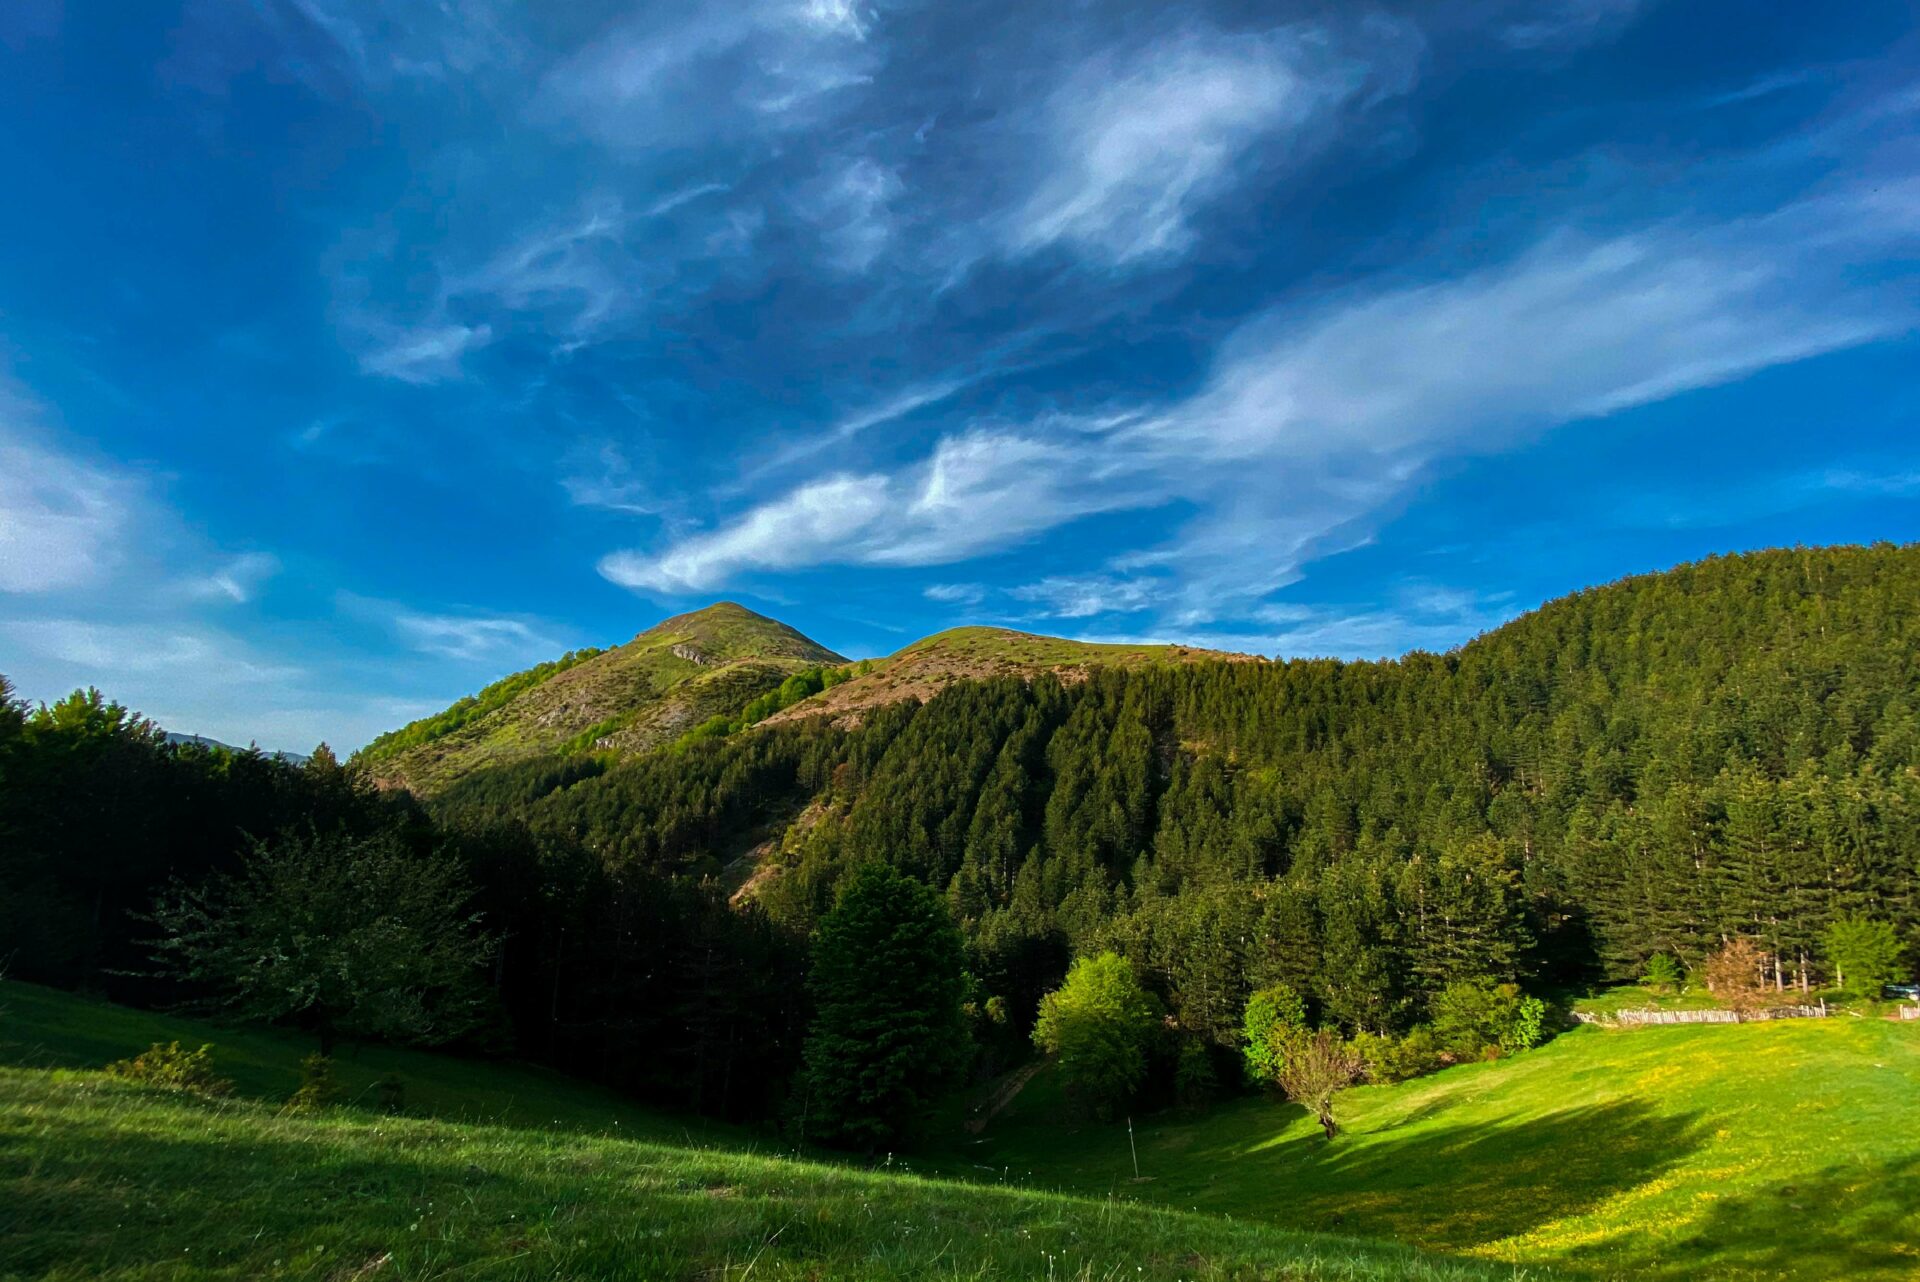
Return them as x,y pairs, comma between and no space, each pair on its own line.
319,1088
1384,1060
1473,1018
173,1069
1663,973
1527,1027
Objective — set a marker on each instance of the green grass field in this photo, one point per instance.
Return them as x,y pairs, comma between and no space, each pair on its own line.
521,1175
1774,1150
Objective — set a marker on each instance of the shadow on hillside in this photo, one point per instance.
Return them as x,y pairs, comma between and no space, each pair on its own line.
1844,1222
1454,1188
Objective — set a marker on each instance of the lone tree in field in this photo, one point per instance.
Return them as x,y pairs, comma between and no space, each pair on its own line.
1099,1024
1865,955
354,937
1315,1069
888,1030
1736,974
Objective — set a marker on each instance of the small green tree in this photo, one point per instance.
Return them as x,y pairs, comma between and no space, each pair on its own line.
1275,1018
319,1088
356,937
1100,1024
888,1031
1470,1019
1865,955
1663,973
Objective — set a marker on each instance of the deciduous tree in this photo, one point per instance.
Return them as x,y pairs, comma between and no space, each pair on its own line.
356,937
1100,1024
1314,1070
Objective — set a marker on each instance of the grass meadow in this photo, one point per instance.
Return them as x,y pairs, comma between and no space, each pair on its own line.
1754,1151
522,1176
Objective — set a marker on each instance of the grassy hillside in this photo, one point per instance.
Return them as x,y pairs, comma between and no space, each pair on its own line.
928,666
635,696
101,1180
1777,1150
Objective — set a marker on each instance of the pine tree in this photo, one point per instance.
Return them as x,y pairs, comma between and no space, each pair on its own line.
888,1033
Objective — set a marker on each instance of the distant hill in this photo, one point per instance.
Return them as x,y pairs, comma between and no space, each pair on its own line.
174,736
926,667
667,679
713,663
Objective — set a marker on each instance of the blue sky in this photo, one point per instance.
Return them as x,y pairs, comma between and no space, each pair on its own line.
356,352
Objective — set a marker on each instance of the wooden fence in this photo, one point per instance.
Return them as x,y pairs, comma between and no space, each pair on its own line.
1635,1017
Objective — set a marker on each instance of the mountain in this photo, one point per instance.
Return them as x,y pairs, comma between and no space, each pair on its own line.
929,666
200,740
1645,768
666,680
702,671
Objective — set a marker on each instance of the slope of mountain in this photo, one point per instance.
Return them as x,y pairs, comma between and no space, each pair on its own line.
631,697
200,740
928,666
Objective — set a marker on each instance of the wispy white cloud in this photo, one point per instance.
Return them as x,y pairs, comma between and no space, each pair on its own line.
571,279
62,520
1314,420
755,64
469,638
430,353
1134,144
685,196
111,649
344,47
1575,328
979,491
955,593
851,208
236,581
1084,596
603,477
577,276
1562,24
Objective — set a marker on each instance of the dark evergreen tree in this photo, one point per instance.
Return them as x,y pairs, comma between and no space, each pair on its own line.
888,1034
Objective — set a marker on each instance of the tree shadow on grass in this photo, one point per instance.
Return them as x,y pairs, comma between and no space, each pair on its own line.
1453,1188
1858,1221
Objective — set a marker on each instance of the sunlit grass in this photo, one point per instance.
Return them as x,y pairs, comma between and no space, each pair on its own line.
100,1180
1754,1151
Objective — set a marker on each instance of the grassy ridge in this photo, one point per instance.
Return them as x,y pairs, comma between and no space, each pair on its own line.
104,1181
1754,1151
923,669
471,708
628,698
